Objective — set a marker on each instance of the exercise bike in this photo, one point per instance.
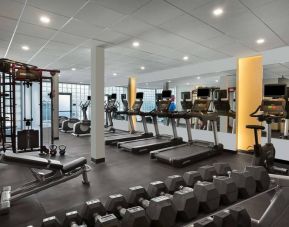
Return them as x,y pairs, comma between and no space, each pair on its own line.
271,111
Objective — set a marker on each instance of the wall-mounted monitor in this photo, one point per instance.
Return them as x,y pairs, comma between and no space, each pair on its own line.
166,94
223,94
89,98
203,92
113,96
275,90
139,95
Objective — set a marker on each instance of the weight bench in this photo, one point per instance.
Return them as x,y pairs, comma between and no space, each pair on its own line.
54,174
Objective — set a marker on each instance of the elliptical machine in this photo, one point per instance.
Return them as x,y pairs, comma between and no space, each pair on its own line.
82,128
270,111
110,108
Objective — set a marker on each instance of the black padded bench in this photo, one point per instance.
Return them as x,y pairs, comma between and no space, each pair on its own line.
57,173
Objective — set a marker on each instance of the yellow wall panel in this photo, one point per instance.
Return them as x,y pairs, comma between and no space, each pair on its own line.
248,98
131,96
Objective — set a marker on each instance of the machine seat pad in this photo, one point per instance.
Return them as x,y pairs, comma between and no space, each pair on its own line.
31,161
74,164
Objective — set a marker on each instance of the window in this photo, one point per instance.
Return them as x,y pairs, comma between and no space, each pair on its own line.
79,93
119,91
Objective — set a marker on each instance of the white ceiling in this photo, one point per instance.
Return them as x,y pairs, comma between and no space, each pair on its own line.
166,29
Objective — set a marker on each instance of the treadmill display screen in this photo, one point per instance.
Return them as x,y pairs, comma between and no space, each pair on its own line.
113,96
186,95
223,94
139,95
274,90
166,93
203,92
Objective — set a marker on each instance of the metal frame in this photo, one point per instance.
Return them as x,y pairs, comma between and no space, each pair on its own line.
42,181
9,69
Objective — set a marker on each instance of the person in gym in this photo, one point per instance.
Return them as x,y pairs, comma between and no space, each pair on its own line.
172,107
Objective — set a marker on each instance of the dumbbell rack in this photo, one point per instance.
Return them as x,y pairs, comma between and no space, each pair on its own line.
233,210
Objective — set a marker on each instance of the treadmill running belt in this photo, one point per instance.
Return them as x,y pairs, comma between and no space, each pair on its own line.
142,143
146,145
184,155
122,137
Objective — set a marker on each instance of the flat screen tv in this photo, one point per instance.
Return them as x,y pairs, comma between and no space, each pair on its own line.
166,94
275,90
203,92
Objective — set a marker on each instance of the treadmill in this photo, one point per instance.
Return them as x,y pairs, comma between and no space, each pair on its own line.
194,150
110,108
131,135
223,107
158,141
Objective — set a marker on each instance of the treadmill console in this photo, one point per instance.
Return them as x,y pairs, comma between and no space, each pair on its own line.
274,107
186,105
164,105
201,105
137,105
222,107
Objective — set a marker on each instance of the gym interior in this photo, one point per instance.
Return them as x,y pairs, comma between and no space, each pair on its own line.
139,113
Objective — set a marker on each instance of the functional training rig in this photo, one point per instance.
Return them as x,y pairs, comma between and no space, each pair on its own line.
54,173
13,74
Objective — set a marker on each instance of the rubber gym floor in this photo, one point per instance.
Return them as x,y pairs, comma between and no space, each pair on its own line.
120,171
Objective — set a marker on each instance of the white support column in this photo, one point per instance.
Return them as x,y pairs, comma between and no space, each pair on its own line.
55,111
97,94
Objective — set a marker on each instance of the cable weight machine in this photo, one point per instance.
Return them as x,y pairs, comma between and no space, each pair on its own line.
21,120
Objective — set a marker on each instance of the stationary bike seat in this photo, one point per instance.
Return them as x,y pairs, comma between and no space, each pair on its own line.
258,127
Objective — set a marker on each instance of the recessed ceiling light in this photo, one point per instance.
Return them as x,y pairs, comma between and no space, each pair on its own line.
142,68
198,77
185,58
81,82
169,81
218,11
73,69
260,41
147,84
45,19
135,44
25,47
187,83
114,74
216,81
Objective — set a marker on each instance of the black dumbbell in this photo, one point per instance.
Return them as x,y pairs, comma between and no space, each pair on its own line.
160,210
94,215
226,186
131,217
205,192
207,172
72,219
245,182
183,198
261,177
218,174
51,222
